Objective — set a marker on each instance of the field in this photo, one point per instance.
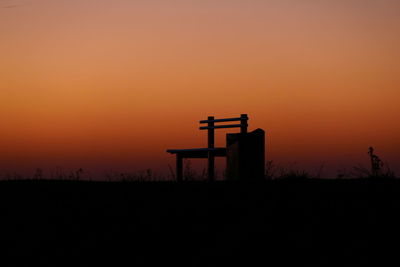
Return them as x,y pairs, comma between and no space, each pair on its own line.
315,222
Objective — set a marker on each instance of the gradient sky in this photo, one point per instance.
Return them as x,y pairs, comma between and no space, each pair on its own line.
111,84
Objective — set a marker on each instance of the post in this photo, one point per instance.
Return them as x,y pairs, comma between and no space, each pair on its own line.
179,168
245,156
243,122
211,145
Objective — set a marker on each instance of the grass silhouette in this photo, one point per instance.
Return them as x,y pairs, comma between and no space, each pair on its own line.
273,172
146,219
314,221
378,170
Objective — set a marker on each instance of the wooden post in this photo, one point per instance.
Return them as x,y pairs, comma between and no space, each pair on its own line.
243,122
245,156
211,145
179,168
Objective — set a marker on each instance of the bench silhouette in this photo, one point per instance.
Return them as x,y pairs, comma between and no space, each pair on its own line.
211,151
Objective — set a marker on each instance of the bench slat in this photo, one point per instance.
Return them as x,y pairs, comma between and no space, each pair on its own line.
222,120
223,126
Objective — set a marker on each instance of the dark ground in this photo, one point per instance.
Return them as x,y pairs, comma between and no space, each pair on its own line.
309,222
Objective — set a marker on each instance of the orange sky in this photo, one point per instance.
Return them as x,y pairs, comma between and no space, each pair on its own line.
111,84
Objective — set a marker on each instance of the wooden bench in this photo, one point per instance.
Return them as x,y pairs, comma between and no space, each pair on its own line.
211,151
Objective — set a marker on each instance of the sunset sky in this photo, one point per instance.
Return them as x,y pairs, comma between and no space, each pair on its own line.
111,84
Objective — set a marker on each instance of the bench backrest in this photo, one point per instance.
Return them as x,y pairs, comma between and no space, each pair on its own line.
211,126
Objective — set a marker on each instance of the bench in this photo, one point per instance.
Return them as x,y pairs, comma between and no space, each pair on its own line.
211,151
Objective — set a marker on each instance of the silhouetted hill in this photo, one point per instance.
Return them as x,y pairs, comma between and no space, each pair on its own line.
312,222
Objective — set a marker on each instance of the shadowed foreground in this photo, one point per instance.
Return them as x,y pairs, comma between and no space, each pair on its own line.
314,222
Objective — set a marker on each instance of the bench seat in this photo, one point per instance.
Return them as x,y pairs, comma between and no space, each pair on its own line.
198,152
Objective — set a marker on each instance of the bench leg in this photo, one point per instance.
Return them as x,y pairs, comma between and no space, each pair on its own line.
179,168
211,167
